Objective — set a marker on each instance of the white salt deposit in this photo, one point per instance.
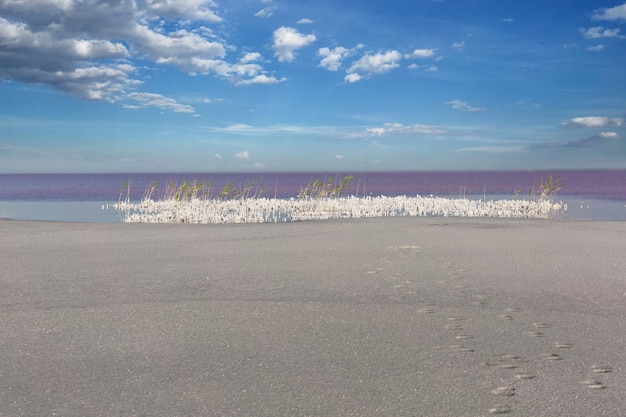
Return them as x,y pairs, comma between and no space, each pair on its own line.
273,210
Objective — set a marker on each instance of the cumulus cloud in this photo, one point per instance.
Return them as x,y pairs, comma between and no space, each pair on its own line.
250,57
246,73
242,155
198,10
421,53
161,102
593,121
305,21
398,129
610,13
261,79
463,106
287,40
598,32
352,78
370,64
89,48
332,58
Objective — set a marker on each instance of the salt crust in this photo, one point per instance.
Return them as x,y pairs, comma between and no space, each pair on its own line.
273,210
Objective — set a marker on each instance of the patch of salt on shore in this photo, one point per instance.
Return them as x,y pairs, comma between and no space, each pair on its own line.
268,210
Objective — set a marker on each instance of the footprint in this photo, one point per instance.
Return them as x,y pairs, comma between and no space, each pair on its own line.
601,369
506,316
534,334
425,310
593,384
551,356
500,409
524,375
505,391
453,327
562,345
463,336
541,325
504,361
461,348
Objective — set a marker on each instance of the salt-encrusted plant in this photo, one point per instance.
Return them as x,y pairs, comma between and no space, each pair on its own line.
329,187
547,189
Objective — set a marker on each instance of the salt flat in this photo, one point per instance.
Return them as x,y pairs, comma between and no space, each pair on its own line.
368,317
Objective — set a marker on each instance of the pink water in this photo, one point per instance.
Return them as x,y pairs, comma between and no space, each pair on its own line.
594,195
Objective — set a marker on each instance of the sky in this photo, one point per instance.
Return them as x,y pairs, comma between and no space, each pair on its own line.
302,85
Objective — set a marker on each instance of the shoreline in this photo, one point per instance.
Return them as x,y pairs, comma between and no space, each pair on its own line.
388,316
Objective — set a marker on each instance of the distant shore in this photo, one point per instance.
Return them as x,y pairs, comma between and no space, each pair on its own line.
386,316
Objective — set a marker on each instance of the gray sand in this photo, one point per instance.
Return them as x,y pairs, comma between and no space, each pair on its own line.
376,317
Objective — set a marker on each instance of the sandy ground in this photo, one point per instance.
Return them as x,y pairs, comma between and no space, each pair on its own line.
373,317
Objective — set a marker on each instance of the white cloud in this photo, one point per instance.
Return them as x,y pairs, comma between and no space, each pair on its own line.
287,40
463,106
259,164
178,48
331,58
92,83
598,32
458,45
242,155
218,156
368,65
422,53
593,121
261,79
596,48
305,21
429,68
87,48
508,20
238,127
610,13
398,129
238,74
266,12
352,78
339,157
250,57
183,9
161,102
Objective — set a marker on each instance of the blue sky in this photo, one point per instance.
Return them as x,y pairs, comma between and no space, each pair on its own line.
324,85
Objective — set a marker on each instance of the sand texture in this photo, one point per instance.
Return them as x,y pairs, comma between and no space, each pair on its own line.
370,317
